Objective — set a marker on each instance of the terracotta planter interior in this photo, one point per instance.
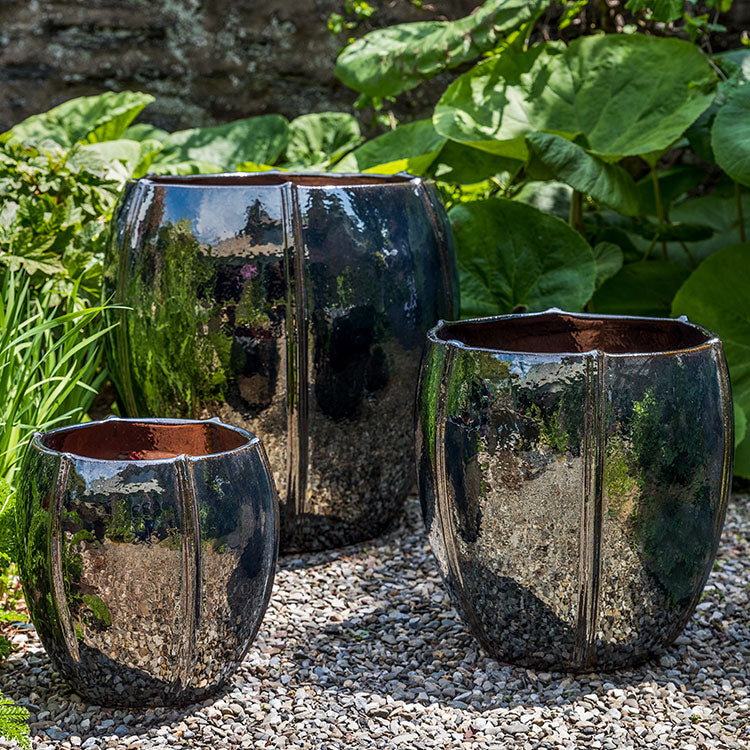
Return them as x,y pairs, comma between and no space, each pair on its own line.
559,334
120,440
275,178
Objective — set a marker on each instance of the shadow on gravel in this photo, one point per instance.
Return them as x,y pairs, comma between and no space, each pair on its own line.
434,663
404,523
57,710
417,649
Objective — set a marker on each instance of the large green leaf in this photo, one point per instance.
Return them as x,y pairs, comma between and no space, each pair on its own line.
740,424
320,139
717,211
716,296
115,160
673,183
142,131
192,167
642,288
624,94
735,65
407,148
609,260
730,136
89,119
585,172
742,459
464,165
257,139
665,11
120,159
513,257
549,196
736,62
388,61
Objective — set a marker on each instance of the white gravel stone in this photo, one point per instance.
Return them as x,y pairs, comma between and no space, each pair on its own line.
360,648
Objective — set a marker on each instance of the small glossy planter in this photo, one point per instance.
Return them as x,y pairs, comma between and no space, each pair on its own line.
574,473
294,305
149,554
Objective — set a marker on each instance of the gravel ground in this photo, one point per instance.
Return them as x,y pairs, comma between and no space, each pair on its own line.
361,648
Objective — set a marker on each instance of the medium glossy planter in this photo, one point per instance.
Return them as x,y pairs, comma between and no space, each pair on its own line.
148,556
296,306
574,474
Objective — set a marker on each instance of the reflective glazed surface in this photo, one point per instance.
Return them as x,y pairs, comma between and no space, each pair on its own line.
295,306
574,493
147,571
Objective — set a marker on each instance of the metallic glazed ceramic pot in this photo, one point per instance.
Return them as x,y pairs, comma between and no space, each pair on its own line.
574,472
296,306
149,554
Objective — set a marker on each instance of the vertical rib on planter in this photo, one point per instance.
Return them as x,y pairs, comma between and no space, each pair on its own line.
190,584
591,508
294,305
296,352
574,472
57,574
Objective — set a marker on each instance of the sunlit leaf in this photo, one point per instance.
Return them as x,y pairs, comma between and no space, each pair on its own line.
513,257
388,61
88,119
569,163
716,296
730,136
258,139
600,90
320,139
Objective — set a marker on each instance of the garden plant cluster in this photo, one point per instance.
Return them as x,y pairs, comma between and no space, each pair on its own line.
609,174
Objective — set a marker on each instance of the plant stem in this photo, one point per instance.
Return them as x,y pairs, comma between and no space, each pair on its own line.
659,208
691,257
650,247
740,214
576,211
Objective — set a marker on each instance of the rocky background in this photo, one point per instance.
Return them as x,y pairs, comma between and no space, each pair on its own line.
205,62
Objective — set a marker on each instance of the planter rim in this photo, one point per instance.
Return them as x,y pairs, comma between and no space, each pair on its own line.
359,180
250,439
711,339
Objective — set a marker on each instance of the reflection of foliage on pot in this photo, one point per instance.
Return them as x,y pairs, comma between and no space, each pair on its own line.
345,364
120,527
176,322
257,320
254,309
427,399
218,517
86,609
673,524
620,483
556,414
33,524
298,267
35,560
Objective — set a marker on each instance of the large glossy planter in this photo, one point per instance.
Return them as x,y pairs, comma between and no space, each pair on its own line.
295,305
574,473
149,549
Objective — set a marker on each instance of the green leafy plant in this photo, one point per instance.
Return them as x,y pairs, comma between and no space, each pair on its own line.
59,181
49,372
62,171
14,722
49,364
640,140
